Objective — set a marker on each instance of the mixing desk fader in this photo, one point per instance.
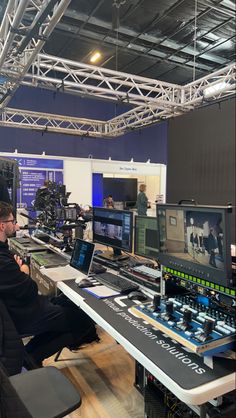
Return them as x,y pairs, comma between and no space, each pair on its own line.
203,329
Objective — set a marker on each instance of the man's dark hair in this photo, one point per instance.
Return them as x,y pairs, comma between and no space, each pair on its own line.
5,210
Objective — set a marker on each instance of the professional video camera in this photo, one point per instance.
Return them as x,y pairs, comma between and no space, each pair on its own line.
56,215
48,200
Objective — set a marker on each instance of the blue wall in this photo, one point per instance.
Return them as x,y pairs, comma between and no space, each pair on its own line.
141,145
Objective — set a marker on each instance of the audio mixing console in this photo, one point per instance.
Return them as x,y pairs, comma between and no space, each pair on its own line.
203,329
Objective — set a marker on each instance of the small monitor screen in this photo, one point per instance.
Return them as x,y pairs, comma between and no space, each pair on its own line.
66,214
82,256
145,237
113,228
70,214
195,241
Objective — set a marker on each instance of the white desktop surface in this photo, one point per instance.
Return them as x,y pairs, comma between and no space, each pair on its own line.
197,396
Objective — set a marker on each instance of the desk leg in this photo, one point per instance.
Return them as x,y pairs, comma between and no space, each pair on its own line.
203,411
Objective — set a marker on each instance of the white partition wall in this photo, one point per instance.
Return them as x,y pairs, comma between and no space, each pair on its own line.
78,180
77,174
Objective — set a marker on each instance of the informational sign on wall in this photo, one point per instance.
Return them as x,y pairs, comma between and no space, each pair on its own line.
33,173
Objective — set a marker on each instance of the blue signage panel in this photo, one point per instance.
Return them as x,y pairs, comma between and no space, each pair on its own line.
39,163
33,173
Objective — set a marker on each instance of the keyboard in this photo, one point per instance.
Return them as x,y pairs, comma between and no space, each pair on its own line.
116,282
147,271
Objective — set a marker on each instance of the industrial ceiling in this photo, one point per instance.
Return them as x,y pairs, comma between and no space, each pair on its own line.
161,39
174,42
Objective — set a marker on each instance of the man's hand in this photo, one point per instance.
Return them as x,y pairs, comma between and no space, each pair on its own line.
23,267
18,260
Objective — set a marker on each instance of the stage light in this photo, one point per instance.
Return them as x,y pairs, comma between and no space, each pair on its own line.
95,57
215,89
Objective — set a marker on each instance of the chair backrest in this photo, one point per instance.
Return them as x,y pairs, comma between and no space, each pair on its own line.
11,345
11,405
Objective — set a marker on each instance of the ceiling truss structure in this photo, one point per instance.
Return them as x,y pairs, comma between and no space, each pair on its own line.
21,63
21,42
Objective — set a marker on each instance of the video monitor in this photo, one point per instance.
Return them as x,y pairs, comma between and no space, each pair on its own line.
195,241
145,237
113,228
66,214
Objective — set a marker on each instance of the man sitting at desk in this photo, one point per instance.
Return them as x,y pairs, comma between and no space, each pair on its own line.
55,323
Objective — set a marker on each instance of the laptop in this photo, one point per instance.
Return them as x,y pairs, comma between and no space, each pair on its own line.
80,263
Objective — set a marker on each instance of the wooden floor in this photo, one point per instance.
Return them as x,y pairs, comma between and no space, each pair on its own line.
104,376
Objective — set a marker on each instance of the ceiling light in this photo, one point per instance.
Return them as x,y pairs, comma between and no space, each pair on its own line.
95,57
215,89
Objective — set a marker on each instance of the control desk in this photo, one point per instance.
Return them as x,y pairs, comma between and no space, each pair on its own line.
157,332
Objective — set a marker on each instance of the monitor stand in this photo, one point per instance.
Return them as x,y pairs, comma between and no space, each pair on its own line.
114,256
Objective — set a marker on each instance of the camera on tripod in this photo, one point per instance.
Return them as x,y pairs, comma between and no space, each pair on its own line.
53,210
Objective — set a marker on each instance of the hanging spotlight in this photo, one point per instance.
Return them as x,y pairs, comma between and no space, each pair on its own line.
215,89
95,57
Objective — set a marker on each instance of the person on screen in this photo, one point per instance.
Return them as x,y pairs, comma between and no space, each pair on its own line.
212,245
142,200
108,202
55,323
4,194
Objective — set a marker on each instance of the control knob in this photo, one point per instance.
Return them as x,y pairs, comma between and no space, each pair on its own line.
208,327
156,303
169,308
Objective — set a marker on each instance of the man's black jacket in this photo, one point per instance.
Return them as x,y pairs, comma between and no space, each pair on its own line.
18,291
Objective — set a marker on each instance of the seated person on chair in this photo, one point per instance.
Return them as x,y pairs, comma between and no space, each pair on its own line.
55,323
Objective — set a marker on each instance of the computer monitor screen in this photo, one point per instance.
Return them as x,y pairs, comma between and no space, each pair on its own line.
195,241
113,228
82,256
145,237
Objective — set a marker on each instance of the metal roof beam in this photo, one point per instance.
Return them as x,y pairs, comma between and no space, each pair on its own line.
45,122
21,42
156,100
84,79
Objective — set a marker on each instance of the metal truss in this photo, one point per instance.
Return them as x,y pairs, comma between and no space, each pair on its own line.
206,87
88,80
21,41
138,118
44,122
153,100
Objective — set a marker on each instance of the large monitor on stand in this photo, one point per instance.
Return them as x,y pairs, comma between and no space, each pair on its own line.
195,240
145,237
113,228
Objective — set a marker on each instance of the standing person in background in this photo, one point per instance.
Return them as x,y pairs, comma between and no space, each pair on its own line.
142,200
4,194
212,246
108,202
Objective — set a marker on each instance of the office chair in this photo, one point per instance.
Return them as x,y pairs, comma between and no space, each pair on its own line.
43,392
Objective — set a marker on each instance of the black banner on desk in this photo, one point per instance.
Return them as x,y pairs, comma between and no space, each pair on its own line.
185,368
